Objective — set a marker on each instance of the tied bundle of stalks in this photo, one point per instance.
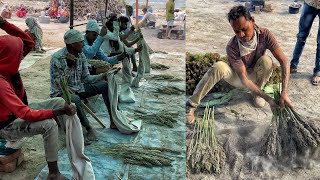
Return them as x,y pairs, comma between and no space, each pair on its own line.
169,90
138,155
66,92
100,66
159,66
204,153
197,65
167,77
162,118
290,135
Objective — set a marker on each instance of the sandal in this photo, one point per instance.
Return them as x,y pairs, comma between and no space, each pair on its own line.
293,70
315,80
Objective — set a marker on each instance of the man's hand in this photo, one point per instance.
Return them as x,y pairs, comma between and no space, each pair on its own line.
103,31
71,57
272,103
2,21
139,49
122,56
69,110
285,101
132,28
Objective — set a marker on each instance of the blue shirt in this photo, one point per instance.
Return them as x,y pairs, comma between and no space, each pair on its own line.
95,50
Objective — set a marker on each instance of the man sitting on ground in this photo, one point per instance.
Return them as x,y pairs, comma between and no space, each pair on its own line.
250,67
17,119
92,44
148,19
70,61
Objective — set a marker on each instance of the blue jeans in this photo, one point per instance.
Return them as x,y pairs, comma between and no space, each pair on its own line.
306,19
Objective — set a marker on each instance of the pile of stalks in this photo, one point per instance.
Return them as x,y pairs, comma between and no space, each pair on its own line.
276,75
290,135
170,90
158,66
204,153
162,118
138,155
166,77
197,65
100,64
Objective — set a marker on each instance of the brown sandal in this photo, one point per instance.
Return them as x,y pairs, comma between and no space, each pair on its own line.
315,80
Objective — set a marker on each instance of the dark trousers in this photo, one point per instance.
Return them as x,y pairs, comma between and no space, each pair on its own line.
91,90
307,17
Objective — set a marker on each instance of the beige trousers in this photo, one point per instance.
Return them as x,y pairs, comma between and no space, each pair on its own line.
47,128
260,74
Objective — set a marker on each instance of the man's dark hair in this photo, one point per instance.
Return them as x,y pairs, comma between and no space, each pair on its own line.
123,19
129,7
109,23
145,9
238,11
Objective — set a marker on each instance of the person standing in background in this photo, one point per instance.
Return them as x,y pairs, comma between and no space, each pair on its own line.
169,17
311,9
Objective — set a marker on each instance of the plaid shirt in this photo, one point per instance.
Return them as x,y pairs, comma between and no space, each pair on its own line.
76,75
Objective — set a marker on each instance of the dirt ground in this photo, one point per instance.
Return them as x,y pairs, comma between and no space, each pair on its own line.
36,81
208,30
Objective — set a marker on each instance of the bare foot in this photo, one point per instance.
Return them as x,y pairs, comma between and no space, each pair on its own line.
58,176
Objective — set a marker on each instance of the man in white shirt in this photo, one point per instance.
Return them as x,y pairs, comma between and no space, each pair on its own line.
148,19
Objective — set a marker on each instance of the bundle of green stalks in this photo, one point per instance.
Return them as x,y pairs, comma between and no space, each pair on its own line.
167,77
204,153
197,65
138,155
66,92
162,118
290,135
159,66
169,90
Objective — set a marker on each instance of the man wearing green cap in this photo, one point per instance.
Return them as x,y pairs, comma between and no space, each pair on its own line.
92,42
70,61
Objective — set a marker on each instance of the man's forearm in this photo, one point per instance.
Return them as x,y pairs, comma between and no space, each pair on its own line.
285,74
285,69
125,36
15,31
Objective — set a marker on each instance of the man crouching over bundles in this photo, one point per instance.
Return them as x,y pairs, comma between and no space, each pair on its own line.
17,119
249,66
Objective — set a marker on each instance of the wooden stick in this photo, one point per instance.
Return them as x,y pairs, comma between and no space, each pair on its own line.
137,13
92,114
71,13
77,25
